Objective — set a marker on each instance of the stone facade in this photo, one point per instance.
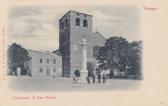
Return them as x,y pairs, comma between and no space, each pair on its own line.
44,64
99,39
73,27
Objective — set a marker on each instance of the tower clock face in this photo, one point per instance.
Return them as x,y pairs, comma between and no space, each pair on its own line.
75,47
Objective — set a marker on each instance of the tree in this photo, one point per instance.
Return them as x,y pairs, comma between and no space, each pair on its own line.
114,54
134,58
17,55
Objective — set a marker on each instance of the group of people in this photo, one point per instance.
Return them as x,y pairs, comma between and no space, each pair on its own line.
91,77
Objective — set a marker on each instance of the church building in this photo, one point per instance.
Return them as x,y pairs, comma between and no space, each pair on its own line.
73,28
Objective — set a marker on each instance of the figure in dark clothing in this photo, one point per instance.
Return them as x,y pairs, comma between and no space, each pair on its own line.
93,78
104,78
99,78
77,75
90,74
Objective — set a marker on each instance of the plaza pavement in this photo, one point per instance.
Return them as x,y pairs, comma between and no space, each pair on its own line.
25,83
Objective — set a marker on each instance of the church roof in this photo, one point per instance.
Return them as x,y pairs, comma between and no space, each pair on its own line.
98,33
41,52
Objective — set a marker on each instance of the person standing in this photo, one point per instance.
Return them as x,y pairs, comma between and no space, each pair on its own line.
88,77
76,77
104,78
99,77
93,76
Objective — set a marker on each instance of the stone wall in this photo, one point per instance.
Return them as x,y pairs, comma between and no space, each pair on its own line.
42,64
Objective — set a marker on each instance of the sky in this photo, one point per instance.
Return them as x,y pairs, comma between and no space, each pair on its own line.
37,27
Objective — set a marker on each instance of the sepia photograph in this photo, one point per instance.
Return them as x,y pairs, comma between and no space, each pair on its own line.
83,53
74,48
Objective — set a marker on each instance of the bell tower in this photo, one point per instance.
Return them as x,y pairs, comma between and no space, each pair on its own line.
73,28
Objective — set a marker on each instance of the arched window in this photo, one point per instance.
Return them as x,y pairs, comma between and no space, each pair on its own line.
66,22
62,25
85,23
77,22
